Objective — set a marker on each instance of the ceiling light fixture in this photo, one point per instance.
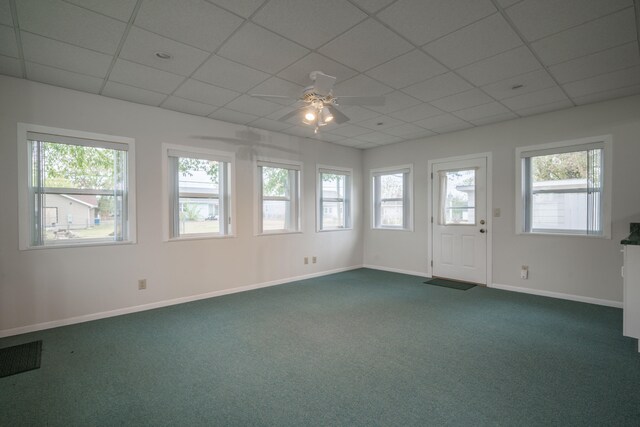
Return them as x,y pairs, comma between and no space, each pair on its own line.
163,55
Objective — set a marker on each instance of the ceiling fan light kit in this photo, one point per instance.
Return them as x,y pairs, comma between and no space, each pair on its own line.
319,103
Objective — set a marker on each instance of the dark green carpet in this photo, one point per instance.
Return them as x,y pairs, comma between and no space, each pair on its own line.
452,284
20,358
358,348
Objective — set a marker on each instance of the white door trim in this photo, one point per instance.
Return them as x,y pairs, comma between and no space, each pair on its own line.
489,158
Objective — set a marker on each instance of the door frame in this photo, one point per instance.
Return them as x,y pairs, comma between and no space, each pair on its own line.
488,156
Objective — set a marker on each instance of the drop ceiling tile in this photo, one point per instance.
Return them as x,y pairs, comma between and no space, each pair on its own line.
540,18
481,111
8,43
261,49
328,137
64,56
57,77
467,99
141,46
349,142
545,108
380,123
69,23
607,94
507,3
532,82
597,63
301,131
502,66
604,82
300,70
133,94
189,107
118,9
360,85
10,66
243,8
255,106
380,138
423,21
409,130
358,114
405,70
232,116
309,22
534,99
452,128
231,75
194,90
487,37
365,145
372,6
494,119
348,130
443,121
594,36
366,45
395,101
277,86
5,13
144,77
276,115
268,124
438,87
193,22
416,113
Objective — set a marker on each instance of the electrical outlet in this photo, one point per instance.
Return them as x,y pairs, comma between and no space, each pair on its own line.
314,260
524,272
142,284
306,260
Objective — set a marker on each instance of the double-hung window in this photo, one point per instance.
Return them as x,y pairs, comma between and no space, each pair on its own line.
199,192
562,188
392,198
334,199
279,197
75,188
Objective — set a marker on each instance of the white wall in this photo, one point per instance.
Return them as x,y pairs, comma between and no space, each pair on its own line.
580,266
49,285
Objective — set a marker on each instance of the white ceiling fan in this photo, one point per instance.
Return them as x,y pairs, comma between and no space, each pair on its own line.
318,102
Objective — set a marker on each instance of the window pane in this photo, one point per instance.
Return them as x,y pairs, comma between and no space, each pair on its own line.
391,186
275,182
458,198
198,185
565,191
275,215
333,215
391,213
333,200
76,166
78,216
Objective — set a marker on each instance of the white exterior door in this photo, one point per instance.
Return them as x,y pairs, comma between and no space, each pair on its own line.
459,220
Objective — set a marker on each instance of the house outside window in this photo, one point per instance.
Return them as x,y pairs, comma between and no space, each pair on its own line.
334,198
563,188
392,194
74,188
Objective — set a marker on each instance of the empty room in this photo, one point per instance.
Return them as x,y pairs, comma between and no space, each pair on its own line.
337,212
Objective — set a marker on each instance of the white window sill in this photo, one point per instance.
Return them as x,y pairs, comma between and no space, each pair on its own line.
77,245
391,229
541,233
200,237
277,233
328,230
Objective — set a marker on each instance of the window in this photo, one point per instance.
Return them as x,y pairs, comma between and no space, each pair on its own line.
562,188
74,188
199,192
457,197
279,194
334,199
392,198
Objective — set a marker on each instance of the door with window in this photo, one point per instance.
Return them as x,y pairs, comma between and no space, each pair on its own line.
459,220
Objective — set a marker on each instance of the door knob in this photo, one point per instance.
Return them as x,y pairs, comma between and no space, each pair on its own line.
482,230
482,221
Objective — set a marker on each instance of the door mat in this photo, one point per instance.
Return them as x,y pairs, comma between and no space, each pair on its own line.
453,284
20,358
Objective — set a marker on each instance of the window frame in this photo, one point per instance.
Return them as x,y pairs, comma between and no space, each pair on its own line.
347,199
296,203
407,199
575,145
25,214
226,200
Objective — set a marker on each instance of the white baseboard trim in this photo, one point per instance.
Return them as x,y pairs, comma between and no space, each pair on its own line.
396,270
150,306
571,297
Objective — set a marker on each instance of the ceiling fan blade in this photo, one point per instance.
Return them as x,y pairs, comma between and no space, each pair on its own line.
291,114
323,83
338,116
360,100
